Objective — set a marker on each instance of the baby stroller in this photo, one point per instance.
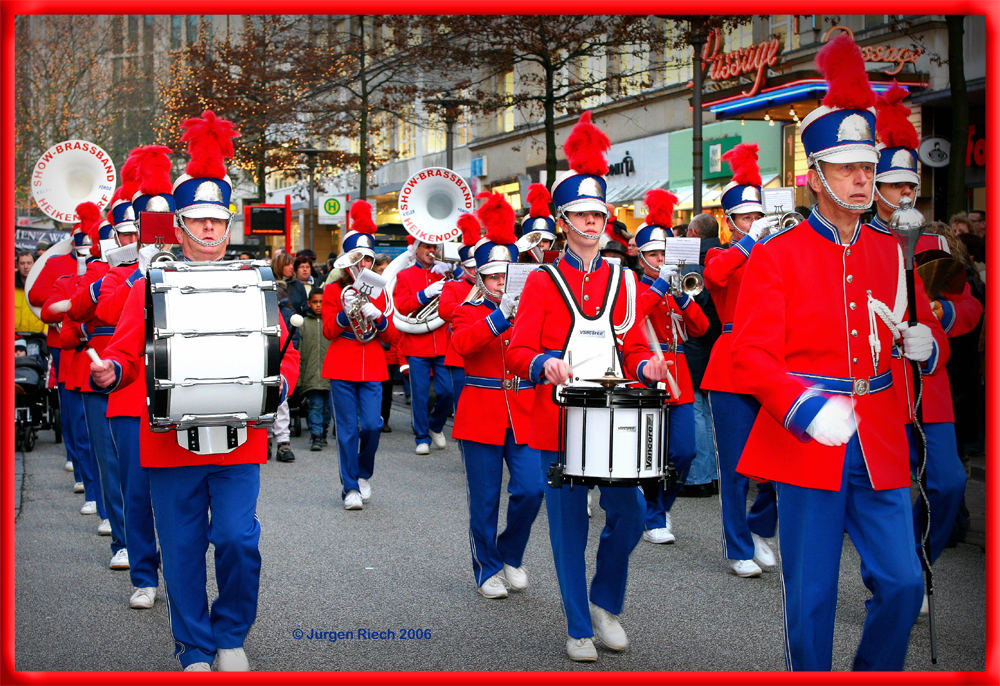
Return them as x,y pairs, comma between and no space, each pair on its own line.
36,406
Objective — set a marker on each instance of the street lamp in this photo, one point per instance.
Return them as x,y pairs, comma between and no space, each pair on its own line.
311,153
698,39
451,107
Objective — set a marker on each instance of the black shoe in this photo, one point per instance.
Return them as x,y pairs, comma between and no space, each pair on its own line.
386,429
317,444
269,442
284,453
322,441
698,491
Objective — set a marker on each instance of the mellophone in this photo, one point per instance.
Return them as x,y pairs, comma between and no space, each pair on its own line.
613,435
212,350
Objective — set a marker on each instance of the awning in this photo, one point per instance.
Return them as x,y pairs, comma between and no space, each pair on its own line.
633,191
711,195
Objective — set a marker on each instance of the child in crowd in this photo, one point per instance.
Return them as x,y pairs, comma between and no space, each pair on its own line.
314,388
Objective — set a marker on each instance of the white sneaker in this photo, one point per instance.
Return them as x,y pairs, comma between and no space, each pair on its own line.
231,660
423,449
925,608
589,512
494,587
104,528
516,577
120,559
89,507
78,487
365,488
762,553
607,629
198,667
143,598
438,440
68,466
352,501
744,568
662,534
581,649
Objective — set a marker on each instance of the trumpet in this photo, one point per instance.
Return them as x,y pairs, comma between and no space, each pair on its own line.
786,220
690,284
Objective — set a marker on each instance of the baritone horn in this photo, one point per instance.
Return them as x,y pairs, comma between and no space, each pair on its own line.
528,245
353,298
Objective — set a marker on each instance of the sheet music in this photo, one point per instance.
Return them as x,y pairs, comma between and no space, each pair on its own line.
778,200
517,274
369,283
682,250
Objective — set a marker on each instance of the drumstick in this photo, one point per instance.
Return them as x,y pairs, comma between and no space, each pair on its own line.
654,346
94,357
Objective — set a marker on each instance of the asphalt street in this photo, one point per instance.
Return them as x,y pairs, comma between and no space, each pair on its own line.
400,569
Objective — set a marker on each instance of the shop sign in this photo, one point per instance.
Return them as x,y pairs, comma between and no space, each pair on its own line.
934,152
881,53
754,59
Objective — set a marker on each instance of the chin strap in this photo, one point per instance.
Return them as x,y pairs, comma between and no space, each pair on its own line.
578,232
179,220
833,196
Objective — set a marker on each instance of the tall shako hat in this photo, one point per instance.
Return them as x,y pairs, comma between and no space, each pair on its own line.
496,249
122,213
204,190
583,188
539,218
653,234
898,138
742,194
359,238
155,190
85,230
842,129
102,239
471,231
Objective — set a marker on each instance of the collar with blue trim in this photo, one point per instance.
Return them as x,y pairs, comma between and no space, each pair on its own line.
576,262
825,228
647,279
879,223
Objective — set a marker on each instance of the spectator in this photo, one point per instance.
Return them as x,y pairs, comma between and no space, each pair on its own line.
960,223
283,268
40,247
314,388
24,318
299,286
978,220
680,230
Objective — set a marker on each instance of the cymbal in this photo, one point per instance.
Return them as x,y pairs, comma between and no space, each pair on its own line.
608,380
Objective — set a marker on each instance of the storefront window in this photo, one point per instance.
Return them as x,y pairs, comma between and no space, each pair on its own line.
512,191
782,26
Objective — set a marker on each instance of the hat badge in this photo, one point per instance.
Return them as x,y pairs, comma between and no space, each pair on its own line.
854,127
158,204
903,159
208,191
589,186
751,194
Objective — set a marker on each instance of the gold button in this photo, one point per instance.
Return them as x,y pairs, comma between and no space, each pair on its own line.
586,297
854,360
853,306
854,332
850,278
848,252
506,342
586,279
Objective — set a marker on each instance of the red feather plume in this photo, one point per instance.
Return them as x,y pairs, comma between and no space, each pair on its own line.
743,161
361,217
538,198
585,147
660,204
131,175
210,143
497,216
470,228
154,169
89,214
842,65
892,122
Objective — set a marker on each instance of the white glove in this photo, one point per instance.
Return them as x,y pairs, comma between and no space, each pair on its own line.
60,306
918,342
508,303
434,289
146,255
667,271
762,226
441,267
370,312
81,265
834,424
350,297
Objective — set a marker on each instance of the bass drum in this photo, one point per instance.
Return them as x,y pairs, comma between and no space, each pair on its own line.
212,350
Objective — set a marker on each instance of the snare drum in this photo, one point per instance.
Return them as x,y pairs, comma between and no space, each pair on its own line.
212,350
612,436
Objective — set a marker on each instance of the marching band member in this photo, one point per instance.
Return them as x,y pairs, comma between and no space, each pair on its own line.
812,343
415,287
565,328
674,316
356,366
539,219
454,293
188,486
896,177
733,412
493,418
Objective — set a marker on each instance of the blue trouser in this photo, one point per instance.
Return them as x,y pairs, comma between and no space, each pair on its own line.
812,523
945,485
703,469
63,424
182,498
457,376
358,407
95,408
77,439
318,411
732,418
420,378
681,450
143,559
566,507
483,477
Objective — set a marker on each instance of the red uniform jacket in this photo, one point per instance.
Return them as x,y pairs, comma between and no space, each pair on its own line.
452,296
74,364
83,304
804,310
407,299
482,336
128,400
160,449
723,276
663,310
347,358
542,327
41,289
